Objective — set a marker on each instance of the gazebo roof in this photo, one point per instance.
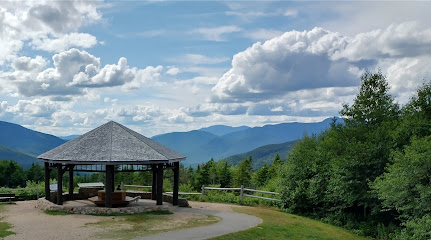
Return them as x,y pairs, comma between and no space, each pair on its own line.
111,144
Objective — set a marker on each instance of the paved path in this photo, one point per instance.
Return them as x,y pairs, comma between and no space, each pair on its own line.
231,222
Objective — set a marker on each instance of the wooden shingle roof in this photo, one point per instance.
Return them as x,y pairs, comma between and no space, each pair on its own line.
109,144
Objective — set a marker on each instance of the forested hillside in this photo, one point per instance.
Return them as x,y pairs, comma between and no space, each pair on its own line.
23,159
262,155
26,140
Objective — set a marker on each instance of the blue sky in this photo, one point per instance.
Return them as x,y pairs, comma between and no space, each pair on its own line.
161,66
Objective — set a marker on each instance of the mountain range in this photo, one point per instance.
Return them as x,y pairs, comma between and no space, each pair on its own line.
24,145
201,145
219,142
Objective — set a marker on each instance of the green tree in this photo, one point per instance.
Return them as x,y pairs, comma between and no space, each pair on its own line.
406,187
275,166
261,176
304,178
203,176
35,173
243,173
373,104
415,118
366,145
225,174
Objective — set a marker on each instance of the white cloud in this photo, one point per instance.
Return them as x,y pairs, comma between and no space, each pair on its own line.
28,64
263,34
291,13
319,59
198,59
45,25
74,72
284,64
173,71
216,33
82,40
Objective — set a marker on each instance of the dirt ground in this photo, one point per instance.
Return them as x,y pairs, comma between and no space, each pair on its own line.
28,222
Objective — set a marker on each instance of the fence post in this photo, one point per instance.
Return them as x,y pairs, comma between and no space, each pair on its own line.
37,193
241,194
202,193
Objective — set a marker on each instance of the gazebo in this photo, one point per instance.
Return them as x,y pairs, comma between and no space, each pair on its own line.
112,148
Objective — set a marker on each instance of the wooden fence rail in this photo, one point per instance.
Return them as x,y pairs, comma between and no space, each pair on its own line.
202,193
24,189
241,189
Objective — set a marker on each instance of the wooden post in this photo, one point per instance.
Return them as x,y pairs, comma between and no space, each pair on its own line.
202,193
176,183
47,190
71,181
108,185
159,185
59,184
241,196
113,179
154,183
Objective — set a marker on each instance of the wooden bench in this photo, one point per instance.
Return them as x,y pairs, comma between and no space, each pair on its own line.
7,196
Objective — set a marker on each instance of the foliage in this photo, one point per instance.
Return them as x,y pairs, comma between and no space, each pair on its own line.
304,178
417,229
243,173
11,174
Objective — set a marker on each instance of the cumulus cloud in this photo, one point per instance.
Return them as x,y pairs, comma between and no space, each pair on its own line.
74,72
140,113
319,58
45,25
28,64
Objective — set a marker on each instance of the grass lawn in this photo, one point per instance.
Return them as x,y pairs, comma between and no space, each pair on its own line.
143,224
280,225
4,226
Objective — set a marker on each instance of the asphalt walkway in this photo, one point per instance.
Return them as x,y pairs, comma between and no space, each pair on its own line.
231,222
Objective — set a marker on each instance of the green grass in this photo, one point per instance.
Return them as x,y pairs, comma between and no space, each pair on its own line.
55,213
4,226
143,224
280,225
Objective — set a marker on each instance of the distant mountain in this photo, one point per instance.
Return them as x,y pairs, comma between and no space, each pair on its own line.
186,143
23,159
262,155
221,130
199,149
68,138
25,140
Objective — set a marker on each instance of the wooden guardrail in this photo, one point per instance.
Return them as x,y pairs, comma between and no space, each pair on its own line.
135,186
25,189
242,193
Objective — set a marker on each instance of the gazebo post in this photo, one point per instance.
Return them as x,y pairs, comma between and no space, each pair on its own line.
159,200
47,189
59,184
113,178
71,180
176,183
154,183
108,185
